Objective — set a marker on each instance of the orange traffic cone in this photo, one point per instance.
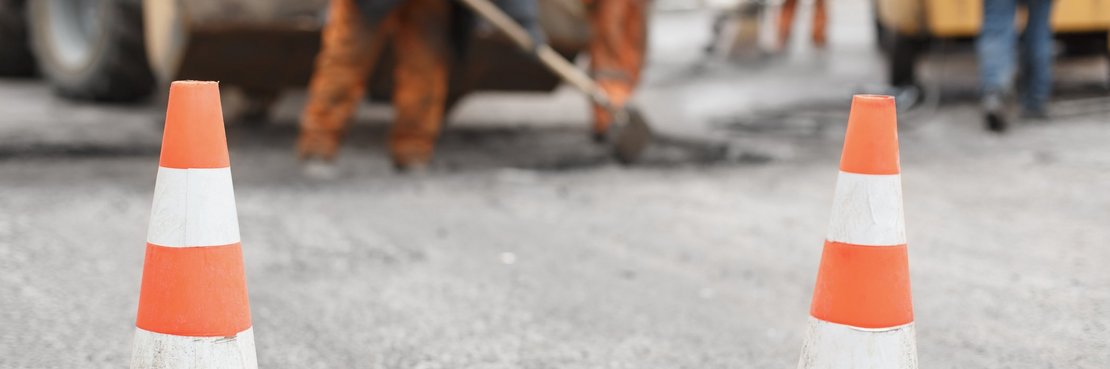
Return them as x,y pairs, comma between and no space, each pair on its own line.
862,315
193,309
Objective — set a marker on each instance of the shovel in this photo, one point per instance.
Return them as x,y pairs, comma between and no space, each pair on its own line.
632,132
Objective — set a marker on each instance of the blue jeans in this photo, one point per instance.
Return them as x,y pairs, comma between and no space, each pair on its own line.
997,50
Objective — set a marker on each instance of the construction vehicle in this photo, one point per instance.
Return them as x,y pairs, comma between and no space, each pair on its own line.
907,29
122,50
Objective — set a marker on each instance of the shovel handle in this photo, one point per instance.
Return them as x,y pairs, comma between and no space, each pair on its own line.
548,56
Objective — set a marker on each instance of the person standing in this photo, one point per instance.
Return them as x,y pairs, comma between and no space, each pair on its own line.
786,23
997,49
425,44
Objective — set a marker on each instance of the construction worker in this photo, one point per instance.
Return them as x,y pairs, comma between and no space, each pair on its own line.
997,49
786,23
420,31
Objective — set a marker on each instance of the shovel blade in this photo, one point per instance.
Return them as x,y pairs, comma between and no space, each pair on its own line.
633,137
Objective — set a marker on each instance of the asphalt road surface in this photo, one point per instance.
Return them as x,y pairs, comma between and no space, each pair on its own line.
525,247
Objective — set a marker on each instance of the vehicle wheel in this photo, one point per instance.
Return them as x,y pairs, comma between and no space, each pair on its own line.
902,59
1084,44
91,49
15,54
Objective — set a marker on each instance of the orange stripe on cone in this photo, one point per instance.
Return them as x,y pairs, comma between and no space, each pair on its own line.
871,142
194,291
863,286
194,134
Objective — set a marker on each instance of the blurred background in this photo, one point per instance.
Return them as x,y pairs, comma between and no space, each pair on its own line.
522,242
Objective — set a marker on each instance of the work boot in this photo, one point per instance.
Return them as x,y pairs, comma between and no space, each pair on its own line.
994,112
618,92
412,154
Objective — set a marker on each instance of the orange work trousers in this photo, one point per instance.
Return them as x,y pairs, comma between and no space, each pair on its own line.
350,47
419,30
617,49
786,22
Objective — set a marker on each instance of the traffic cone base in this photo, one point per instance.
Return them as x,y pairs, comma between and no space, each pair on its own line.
193,307
167,351
862,311
837,346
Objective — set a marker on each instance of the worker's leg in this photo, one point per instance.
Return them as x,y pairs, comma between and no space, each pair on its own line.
996,61
349,47
420,80
616,52
820,18
995,46
1037,57
786,22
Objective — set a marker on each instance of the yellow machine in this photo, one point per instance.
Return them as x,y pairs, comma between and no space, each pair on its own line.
907,27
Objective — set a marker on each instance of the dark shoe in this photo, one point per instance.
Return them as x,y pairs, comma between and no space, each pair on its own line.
996,122
994,112
411,154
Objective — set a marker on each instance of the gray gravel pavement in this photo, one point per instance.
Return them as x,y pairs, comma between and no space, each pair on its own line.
524,247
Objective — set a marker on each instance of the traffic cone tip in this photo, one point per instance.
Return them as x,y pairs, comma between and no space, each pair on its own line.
194,134
871,141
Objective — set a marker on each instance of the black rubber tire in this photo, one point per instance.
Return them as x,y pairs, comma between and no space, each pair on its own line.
16,59
116,67
1083,44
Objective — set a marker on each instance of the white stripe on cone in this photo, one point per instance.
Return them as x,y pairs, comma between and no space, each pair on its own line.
166,351
867,210
193,207
837,346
